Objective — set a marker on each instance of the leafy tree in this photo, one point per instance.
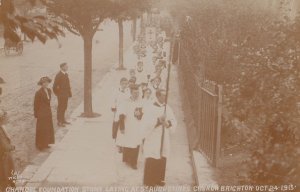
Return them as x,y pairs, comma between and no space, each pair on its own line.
33,27
266,102
83,19
126,10
254,54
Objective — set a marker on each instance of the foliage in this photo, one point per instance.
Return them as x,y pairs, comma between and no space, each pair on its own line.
125,10
79,17
33,27
128,9
266,99
254,54
82,18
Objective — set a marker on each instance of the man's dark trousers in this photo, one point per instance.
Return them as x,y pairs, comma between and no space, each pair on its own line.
61,108
62,89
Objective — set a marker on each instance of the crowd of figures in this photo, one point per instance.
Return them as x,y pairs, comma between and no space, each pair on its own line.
142,119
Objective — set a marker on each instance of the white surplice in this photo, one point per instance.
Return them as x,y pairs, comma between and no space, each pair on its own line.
153,133
132,136
119,96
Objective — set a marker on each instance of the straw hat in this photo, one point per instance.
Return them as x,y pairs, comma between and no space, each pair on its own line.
43,80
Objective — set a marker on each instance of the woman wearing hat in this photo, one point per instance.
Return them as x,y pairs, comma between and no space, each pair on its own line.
42,111
6,160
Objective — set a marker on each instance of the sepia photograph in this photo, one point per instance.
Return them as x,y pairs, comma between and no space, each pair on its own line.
149,95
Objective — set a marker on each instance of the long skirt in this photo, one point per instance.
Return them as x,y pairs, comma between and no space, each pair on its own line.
130,156
6,170
154,172
44,132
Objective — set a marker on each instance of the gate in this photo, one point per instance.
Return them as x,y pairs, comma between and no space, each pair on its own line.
205,100
209,120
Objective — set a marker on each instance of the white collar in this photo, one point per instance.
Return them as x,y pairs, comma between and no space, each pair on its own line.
63,72
123,91
158,104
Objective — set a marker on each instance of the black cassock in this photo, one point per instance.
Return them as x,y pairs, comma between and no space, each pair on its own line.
155,171
44,124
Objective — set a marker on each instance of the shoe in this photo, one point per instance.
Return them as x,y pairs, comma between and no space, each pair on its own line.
66,122
161,183
42,148
60,124
134,167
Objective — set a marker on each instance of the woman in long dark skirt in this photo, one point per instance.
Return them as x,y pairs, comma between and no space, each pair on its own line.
6,161
42,111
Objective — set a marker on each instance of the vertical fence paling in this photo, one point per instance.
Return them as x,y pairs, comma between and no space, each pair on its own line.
205,99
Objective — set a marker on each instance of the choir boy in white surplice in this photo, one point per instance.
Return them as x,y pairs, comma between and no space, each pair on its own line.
130,132
120,95
156,154
141,74
155,85
147,103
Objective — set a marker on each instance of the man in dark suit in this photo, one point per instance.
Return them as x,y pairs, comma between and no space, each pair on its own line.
62,89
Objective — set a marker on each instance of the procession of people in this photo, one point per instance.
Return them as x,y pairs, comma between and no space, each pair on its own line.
143,120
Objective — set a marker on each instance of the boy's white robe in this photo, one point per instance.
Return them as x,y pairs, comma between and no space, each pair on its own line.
141,77
118,98
152,134
132,136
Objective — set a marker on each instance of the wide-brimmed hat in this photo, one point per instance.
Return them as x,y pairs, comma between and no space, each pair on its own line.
43,80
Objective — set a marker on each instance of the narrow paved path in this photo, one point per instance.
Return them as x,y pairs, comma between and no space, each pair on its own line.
21,74
87,155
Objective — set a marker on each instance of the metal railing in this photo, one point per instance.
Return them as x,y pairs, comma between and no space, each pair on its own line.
205,99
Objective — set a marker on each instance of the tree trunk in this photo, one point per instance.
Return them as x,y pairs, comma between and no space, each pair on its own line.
121,46
142,25
149,18
134,29
88,107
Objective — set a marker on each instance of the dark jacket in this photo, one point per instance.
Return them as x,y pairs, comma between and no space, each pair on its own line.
61,85
42,106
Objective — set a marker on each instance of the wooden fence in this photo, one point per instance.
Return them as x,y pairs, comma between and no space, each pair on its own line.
205,99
